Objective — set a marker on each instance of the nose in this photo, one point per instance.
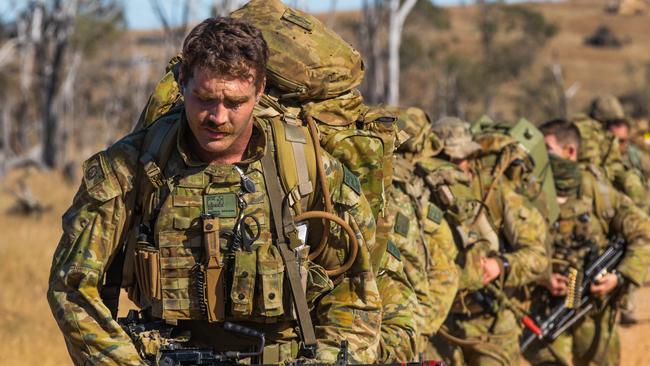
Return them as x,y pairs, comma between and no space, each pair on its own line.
218,113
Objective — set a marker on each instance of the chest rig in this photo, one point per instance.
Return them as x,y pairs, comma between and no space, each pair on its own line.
208,247
212,238
577,234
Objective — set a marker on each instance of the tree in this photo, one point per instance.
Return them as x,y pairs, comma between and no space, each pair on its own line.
397,15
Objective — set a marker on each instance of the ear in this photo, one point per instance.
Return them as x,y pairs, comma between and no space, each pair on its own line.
571,151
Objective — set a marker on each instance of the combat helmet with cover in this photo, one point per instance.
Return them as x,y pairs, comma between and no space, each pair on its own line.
518,152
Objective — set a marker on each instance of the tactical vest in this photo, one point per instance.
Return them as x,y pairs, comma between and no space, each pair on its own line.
578,233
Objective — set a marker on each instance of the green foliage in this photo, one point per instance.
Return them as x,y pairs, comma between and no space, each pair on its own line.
539,99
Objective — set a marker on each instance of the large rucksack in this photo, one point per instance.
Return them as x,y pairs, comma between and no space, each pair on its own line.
307,61
517,151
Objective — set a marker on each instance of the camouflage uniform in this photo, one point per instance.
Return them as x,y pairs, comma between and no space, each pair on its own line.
490,334
100,220
594,211
600,148
418,233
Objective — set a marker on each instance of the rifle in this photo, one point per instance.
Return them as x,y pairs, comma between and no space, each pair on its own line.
564,315
176,354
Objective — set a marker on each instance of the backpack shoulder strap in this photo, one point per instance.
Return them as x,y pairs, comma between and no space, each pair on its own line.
281,218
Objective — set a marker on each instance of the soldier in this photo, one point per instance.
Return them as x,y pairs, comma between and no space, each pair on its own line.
591,211
192,211
420,238
492,261
608,110
601,149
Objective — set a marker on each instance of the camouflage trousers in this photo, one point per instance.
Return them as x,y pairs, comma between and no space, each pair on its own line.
488,340
592,341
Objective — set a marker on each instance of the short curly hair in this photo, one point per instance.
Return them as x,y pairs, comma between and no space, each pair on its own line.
227,46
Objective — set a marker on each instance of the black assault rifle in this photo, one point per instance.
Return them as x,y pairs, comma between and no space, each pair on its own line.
562,316
176,354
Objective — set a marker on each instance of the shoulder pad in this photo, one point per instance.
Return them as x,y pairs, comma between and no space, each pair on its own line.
99,180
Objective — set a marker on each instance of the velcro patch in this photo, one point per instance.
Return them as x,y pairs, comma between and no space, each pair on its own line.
93,172
351,180
221,205
401,224
394,250
434,213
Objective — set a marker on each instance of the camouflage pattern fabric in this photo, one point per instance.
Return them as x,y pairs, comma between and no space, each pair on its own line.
607,212
398,325
427,249
522,230
600,148
307,61
100,218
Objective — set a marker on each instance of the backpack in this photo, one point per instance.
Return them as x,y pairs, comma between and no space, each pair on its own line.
517,151
307,61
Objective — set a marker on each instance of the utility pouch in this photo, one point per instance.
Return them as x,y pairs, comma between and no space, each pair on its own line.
147,268
213,270
270,267
318,283
243,283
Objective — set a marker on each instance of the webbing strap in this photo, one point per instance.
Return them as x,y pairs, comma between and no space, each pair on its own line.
276,199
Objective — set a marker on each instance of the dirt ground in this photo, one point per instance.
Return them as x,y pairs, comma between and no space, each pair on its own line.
28,333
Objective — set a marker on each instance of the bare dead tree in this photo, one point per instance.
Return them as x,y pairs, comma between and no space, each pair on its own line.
398,11
563,95
62,23
370,39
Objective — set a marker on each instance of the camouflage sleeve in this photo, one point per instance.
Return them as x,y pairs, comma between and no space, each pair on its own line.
92,230
398,325
352,310
629,221
630,182
525,231
443,275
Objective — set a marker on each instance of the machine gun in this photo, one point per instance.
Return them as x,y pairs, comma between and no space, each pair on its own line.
567,313
175,353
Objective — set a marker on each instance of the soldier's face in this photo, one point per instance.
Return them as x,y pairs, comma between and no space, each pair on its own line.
219,112
568,151
620,130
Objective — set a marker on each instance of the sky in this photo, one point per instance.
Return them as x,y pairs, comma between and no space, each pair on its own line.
140,14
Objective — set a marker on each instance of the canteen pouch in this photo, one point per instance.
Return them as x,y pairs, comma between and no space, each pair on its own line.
147,269
270,269
243,283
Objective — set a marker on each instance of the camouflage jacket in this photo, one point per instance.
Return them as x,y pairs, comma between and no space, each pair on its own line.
521,229
398,325
595,213
419,235
101,219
